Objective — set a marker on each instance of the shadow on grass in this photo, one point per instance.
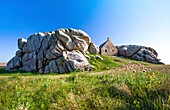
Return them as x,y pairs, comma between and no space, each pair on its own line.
4,72
23,73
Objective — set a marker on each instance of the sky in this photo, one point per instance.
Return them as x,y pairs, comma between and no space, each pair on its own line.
126,22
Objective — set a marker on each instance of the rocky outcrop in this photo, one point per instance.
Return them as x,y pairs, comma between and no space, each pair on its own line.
93,49
59,51
137,52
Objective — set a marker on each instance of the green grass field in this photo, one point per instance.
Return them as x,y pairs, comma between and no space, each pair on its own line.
115,83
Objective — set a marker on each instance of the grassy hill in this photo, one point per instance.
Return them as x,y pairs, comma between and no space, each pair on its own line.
115,83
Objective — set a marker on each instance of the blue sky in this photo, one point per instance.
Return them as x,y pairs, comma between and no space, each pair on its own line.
141,22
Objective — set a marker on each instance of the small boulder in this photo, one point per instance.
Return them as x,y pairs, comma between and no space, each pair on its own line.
98,57
93,49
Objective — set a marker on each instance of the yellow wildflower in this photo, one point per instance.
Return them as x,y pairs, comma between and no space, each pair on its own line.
151,77
169,99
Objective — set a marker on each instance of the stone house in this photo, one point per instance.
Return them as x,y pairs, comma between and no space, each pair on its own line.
107,48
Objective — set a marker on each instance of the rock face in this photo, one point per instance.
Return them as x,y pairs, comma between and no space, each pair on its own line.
59,51
93,49
137,52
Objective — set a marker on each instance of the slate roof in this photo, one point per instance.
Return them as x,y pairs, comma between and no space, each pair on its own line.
102,45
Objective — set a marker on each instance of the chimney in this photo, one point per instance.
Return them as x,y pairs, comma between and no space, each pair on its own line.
108,39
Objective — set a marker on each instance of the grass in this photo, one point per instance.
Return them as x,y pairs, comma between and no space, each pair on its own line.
118,88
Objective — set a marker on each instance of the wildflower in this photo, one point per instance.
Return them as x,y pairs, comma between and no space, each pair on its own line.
139,64
151,77
133,65
143,66
134,71
130,68
144,70
124,69
21,107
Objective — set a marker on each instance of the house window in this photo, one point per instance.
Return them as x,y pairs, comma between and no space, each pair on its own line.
105,50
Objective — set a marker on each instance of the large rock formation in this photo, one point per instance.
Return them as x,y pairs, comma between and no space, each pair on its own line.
58,51
137,52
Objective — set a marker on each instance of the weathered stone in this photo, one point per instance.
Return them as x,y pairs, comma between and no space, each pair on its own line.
66,40
21,43
152,51
40,64
89,68
64,65
33,43
58,51
45,43
30,65
76,59
93,49
19,53
84,36
122,51
61,65
147,52
98,57
151,59
74,39
82,46
40,56
88,57
139,53
30,62
81,34
14,63
138,57
132,49
47,69
128,50
51,67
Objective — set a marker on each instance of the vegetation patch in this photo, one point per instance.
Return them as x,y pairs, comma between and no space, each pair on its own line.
127,84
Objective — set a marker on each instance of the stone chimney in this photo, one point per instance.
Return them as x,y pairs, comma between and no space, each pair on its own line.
108,39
